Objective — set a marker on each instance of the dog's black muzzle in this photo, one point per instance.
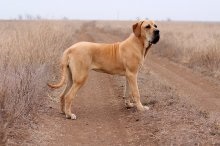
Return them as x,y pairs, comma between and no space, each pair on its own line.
156,36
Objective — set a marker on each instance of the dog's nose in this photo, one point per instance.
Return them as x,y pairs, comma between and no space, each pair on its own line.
156,31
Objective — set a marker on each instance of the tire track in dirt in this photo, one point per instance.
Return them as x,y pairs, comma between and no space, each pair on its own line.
197,90
98,116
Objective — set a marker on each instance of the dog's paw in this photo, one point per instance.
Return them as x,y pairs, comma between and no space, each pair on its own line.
72,117
129,104
62,112
146,108
143,108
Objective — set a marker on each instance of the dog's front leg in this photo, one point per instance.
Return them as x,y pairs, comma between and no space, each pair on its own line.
132,81
126,96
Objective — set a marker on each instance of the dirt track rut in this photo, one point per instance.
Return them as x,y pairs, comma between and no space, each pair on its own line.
198,91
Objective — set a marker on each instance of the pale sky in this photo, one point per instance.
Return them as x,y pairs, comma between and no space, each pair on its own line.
193,10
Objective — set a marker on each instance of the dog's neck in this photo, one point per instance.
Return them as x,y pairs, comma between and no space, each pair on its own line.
146,49
144,45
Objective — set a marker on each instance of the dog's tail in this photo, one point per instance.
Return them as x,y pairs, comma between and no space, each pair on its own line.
64,66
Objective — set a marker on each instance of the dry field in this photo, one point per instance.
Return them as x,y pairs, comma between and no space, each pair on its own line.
29,112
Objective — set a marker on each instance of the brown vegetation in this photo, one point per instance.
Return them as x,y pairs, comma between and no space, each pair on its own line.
26,51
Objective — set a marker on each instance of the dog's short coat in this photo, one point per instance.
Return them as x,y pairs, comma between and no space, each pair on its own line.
123,58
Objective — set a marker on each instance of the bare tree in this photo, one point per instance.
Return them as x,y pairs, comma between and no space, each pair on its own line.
38,17
28,17
20,17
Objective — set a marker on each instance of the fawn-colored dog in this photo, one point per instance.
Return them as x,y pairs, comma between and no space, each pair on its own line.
123,58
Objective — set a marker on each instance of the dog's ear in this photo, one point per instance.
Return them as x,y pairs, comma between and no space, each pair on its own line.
136,30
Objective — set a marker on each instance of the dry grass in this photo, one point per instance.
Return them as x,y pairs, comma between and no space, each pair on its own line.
194,44
25,60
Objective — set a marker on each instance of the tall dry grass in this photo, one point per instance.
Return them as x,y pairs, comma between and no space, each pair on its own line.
195,44
28,52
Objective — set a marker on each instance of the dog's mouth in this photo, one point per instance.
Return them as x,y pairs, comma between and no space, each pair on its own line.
155,39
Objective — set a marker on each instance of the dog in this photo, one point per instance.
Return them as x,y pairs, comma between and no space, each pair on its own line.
123,58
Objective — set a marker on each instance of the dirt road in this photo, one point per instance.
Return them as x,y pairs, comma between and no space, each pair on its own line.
102,119
199,91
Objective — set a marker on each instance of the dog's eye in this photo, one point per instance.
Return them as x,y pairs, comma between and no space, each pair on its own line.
148,26
155,25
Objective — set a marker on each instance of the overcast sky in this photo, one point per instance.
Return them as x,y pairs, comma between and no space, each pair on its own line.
194,10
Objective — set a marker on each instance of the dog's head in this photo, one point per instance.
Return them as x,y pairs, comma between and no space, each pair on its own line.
148,30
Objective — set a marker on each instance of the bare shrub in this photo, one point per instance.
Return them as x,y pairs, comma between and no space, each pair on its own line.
26,51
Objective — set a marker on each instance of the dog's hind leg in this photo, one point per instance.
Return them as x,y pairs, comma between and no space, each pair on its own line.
66,89
79,75
70,96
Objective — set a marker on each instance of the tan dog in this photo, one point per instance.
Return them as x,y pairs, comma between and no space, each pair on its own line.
124,58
